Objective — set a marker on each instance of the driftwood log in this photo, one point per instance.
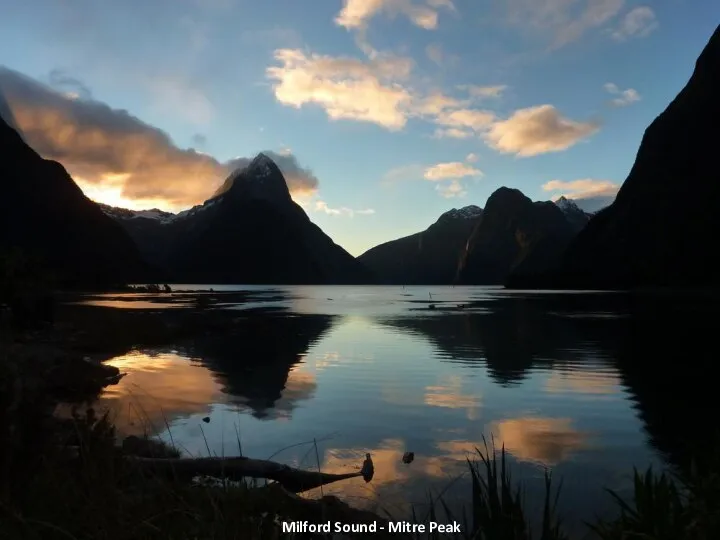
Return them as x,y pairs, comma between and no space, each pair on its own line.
234,468
293,480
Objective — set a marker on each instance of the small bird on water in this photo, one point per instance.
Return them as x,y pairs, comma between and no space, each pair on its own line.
368,469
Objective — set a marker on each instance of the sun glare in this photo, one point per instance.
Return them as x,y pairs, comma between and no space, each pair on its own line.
112,195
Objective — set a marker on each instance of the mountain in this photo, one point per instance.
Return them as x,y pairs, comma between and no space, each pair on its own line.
516,235
662,228
250,231
577,217
429,257
46,216
592,205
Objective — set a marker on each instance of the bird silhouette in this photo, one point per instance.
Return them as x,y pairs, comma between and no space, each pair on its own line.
368,469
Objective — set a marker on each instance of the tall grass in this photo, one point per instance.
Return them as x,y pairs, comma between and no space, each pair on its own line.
662,507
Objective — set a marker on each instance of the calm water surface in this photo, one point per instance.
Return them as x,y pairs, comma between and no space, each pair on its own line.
374,369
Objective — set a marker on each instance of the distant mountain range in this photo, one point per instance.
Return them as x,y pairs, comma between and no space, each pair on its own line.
475,246
430,257
250,231
515,235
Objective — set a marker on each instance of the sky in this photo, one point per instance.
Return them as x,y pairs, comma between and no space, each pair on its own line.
382,114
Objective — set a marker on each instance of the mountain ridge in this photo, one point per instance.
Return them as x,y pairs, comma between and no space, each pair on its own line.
249,231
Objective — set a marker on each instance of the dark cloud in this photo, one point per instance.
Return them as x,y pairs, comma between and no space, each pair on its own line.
199,140
68,85
106,146
299,179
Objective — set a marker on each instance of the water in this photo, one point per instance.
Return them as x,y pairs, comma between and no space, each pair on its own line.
584,384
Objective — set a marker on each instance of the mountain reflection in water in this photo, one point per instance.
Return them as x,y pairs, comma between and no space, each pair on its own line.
588,385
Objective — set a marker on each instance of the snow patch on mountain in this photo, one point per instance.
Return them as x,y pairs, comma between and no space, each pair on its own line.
467,212
567,205
124,213
165,218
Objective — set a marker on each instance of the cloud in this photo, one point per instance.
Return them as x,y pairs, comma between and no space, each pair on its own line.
583,382
449,394
346,88
199,140
466,120
356,14
451,170
624,97
583,188
322,206
537,130
403,173
451,190
434,52
300,180
483,92
562,21
471,158
547,441
376,91
102,146
436,103
161,387
68,85
452,133
637,23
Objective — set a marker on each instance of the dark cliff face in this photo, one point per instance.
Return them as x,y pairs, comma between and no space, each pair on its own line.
514,235
430,257
45,215
251,232
662,228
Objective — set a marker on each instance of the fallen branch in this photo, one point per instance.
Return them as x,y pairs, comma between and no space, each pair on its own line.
293,480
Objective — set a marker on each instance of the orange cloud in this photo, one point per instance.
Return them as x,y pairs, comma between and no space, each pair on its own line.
537,130
448,394
110,148
346,88
547,441
583,188
451,170
355,14
156,389
586,383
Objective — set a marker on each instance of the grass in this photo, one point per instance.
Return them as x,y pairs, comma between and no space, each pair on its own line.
663,507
